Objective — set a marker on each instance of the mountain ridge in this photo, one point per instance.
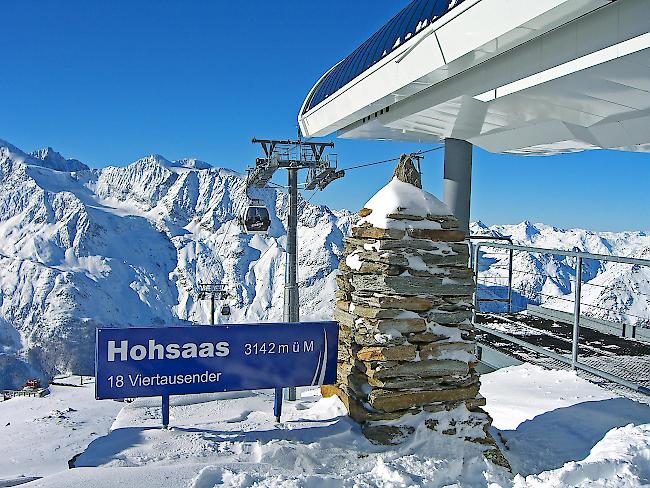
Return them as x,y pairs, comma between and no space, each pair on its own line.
127,246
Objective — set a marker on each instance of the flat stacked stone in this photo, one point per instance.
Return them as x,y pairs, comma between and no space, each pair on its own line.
407,345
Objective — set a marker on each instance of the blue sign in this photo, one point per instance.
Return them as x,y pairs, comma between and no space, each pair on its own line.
141,362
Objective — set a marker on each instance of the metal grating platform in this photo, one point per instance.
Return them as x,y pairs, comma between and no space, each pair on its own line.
626,358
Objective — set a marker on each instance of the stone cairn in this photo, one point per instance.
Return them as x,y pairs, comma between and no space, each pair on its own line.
407,345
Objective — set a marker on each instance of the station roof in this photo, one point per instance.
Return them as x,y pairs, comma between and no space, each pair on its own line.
510,76
402,28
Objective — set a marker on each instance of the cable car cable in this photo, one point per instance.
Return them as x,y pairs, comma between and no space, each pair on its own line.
224,236
371,164
365,165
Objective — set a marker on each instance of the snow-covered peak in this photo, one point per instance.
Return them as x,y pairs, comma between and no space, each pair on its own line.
398,197
526,230
54,160
10,148
191,163
10,155
186,163
479,228
46,158
153,159
612,291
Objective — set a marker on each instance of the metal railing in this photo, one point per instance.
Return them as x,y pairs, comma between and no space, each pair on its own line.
580,257
474,259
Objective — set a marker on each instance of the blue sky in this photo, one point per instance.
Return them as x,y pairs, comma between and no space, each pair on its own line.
109,82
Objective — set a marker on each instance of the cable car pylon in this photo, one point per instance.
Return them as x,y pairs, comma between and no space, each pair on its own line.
293,156
214,292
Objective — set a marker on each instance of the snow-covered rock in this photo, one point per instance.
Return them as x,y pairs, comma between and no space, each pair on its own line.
400,198
53,160
192,163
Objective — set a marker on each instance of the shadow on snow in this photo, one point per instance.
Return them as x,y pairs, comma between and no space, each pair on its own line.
552,439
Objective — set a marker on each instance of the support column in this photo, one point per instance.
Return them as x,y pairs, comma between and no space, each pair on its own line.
458,180
291,299
291,313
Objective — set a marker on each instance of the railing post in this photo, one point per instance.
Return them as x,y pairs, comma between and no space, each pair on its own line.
510,256
576,312
476,302
471,254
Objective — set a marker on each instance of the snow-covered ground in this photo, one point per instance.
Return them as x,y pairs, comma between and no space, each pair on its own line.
40,435
549,418
558,430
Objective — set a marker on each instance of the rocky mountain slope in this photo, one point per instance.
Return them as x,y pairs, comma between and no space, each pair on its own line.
128,246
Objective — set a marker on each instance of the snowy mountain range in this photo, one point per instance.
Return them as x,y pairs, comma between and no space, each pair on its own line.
128,246
611,291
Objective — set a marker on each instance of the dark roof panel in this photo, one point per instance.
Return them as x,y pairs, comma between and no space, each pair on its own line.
402,28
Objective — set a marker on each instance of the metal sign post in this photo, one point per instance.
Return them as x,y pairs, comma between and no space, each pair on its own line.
165,411
155,361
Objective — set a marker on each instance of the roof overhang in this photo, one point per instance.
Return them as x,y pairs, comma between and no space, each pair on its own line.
510,76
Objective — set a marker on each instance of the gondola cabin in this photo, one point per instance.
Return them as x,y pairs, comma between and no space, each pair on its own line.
257,219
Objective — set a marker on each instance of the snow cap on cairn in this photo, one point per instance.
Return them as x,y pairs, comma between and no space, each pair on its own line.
402,203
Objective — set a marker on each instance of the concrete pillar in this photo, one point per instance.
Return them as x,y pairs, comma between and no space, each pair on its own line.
458,180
